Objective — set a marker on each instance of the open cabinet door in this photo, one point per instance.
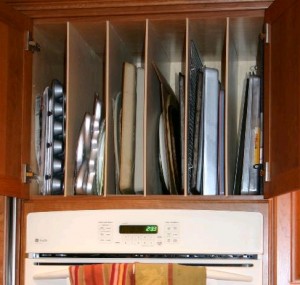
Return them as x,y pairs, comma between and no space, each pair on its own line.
282,105
15,103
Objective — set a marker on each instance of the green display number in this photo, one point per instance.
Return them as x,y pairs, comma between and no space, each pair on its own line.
138,229
151,229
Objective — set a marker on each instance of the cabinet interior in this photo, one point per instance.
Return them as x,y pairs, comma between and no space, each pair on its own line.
87,57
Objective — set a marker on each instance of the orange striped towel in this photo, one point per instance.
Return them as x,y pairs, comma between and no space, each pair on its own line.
145,274
169,274
102,274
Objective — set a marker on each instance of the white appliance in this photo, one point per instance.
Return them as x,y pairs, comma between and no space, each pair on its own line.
228,243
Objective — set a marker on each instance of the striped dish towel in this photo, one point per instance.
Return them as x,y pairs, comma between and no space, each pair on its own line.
102,274
137,274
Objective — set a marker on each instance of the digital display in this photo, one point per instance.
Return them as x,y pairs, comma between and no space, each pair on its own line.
138,229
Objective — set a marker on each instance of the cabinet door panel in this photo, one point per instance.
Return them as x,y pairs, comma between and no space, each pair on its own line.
14,102
283,101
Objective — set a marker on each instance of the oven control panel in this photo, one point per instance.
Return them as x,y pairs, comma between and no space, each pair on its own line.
137,234
145,231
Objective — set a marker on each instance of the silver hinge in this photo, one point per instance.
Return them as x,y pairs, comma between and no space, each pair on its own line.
267,172
266,34
28,175
31,45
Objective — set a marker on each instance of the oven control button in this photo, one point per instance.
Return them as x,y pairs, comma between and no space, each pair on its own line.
104,232
143,240
172,233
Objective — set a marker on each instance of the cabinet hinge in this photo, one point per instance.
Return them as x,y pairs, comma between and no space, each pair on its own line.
266,34
267,172
31,45
27,174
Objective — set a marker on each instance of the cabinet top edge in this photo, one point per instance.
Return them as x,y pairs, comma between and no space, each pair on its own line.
82,8
52,203
149,198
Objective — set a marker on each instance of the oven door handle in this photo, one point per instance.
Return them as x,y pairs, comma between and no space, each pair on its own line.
58,274
210,274
226,276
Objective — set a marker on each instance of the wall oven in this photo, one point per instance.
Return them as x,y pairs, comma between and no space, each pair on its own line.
228,243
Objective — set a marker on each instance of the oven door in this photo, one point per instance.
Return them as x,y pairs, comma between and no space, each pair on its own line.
54,271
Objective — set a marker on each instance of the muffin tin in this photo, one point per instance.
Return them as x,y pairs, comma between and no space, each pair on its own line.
52,140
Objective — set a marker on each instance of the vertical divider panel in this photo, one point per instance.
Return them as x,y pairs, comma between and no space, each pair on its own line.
186,102
125,43
146,88
208,36
83,82
242,49
165,47
153,53
116,55
231,112
108,181
48,64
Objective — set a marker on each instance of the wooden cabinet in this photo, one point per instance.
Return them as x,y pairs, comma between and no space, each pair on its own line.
99,48
96,45
282,104
286,238
84,45
282,138
184,19
15,101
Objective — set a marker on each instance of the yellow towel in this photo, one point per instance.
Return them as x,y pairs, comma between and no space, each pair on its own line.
169,274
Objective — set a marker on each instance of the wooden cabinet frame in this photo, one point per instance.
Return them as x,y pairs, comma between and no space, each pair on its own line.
281,150
15,102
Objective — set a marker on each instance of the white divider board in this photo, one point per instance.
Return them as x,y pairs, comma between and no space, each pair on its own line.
125,42
241,59
231,133
154,53
83,81
186,92
116,55
49,62
47,65
209,36
164,47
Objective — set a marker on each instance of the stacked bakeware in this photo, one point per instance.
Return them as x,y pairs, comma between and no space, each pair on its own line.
52,140
89,164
